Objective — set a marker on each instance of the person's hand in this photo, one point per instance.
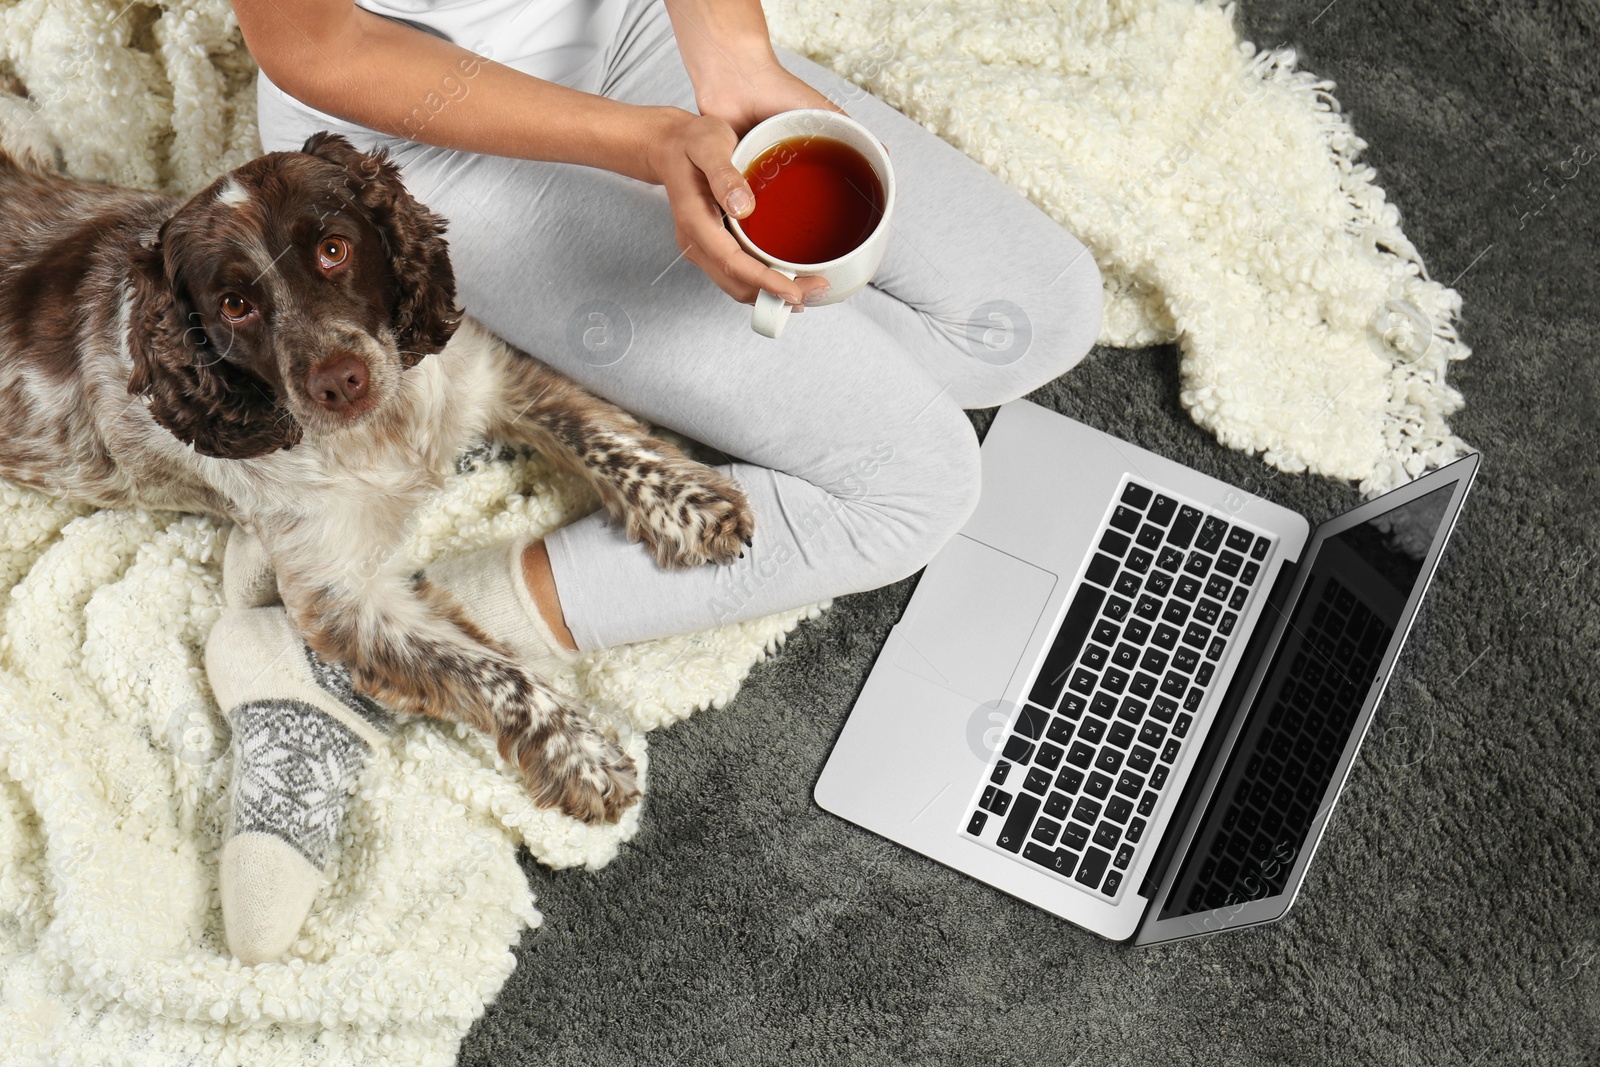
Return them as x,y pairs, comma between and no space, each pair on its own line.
693,161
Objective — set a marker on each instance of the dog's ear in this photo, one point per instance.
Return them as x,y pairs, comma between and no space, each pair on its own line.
422,302
222,410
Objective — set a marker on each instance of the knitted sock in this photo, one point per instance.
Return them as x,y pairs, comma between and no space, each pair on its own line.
301,735
489,586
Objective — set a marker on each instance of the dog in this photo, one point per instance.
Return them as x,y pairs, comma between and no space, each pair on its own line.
283,351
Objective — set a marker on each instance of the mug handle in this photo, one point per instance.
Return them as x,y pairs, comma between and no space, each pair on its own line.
771,312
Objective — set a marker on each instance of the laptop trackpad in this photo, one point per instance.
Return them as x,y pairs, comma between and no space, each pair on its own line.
970,618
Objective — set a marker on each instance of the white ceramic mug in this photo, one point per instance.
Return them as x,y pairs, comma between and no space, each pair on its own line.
849,272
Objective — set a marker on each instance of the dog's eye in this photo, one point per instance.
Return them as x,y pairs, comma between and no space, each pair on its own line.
332,252
235,307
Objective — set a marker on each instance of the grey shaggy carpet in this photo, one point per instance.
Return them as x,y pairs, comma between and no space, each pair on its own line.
1452,914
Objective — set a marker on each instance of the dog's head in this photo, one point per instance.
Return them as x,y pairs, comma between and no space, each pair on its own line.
286,299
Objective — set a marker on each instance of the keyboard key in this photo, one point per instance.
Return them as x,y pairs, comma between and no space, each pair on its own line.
1114,681
1240,595
1102,569
1128,584
1217,646
1064,863
1038,781
1095,656
1184,527
1124,857
1105,632
1118,809
1170,559
1143,685
1152,734
1017,750
1135,830
1018,822
1106,835
1225,626
1114,543
1250,573
1058,805
1158,583
1207,611
1192,701
1069,780
1165,636
1217,587
1081,754
1149,536
1049,757
1147,803
1136,495
1126,656
1082,681
1087,811
1229,562
1154,661
1103,706
1174,684
1141,759
1170,753
1046,831
1212,532
1117,608
1138,561
1186,660
1196,635
998,775
1188,588
996,800
1064,649
1121,735
1113,880
1129,784
1137,631
1097,786
1060,730
1044,857
1181,727
1203,675
1161,509
1158,777
1132,709
1109,760
1093,867
1147,608
1239,539
1074,836
1091,730
1163,708
1031,721
1175,612
975,824
1198,564
1260,549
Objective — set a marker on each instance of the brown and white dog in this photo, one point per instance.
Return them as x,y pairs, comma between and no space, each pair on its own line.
283,351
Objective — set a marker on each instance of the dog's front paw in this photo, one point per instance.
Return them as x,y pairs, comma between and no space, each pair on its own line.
571,766
693,515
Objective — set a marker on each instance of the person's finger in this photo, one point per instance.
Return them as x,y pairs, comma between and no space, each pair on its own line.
712,152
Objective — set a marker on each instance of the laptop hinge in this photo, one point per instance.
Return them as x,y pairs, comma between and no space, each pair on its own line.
1254,649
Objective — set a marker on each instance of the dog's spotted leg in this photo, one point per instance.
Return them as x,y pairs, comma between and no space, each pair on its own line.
414,651
685,512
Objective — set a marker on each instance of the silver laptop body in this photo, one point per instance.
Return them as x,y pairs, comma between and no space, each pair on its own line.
1086,700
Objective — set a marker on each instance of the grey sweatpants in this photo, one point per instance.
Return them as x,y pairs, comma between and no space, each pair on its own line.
848,432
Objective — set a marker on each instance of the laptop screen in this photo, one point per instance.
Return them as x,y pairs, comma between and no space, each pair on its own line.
1274,788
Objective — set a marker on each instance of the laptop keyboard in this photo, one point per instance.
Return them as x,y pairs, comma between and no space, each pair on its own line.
1085,765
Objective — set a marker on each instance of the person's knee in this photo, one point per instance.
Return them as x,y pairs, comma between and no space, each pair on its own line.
911,491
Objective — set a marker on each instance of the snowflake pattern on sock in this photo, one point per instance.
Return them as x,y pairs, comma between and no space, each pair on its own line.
334,678
293,766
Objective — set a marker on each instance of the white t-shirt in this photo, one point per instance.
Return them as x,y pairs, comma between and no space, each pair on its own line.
550,39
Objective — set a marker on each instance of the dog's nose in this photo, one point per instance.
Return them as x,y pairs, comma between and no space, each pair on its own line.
338,383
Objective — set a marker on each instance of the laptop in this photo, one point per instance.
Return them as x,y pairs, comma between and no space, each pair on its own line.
1129,693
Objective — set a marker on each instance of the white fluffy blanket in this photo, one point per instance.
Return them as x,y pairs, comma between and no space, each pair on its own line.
1221,193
